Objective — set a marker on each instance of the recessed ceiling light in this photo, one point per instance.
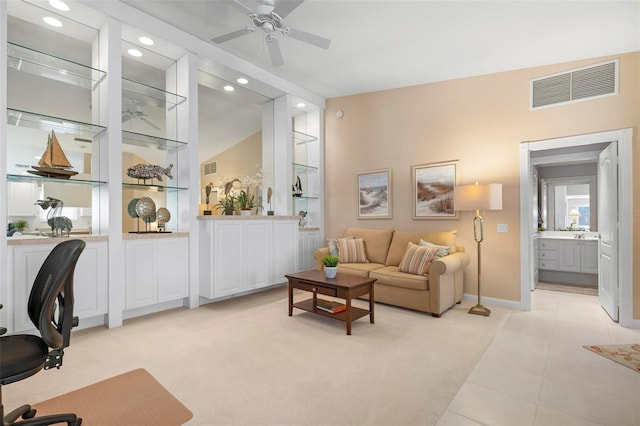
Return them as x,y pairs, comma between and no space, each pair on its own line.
52,21
59,4
242,80
134,52
146,41
229,88
301,105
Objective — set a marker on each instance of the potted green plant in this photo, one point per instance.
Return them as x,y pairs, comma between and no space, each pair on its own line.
246,202
227,204
20,224
330,265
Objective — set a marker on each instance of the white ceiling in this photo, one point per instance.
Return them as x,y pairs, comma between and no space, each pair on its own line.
378,45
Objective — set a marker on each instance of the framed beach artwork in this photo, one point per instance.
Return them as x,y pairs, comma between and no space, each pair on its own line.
433,191
374,194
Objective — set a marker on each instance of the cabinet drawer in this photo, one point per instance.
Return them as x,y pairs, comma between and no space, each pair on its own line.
317,288
550,265
545,244
547,255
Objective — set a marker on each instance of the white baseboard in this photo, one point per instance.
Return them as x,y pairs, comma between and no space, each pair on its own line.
494,301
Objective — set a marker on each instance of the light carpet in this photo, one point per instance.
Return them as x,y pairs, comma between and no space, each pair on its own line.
568,288
627,355
132,398
244,361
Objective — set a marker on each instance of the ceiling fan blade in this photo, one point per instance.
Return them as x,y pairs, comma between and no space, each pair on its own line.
231,35
285,7
274,52
241,7
313,39
150,123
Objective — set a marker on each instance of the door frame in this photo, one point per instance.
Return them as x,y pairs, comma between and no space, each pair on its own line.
625,217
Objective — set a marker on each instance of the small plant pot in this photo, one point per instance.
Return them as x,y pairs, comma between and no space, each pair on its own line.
330,271
245,212
228,212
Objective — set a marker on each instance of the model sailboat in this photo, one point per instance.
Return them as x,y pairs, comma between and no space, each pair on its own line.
53,162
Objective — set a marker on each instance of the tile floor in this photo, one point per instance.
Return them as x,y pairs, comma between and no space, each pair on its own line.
536,372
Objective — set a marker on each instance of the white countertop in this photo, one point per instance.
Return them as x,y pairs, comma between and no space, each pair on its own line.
568,235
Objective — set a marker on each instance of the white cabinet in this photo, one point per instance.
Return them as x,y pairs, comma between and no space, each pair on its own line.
578,256
239,255
89,282
547,254
568,255
307,244
22,197
156,271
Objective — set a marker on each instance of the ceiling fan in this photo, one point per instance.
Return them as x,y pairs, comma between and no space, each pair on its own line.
269,18
134,111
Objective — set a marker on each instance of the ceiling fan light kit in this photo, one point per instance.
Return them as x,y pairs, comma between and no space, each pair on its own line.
269,18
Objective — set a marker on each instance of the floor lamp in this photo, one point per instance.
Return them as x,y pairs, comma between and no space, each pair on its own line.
478,197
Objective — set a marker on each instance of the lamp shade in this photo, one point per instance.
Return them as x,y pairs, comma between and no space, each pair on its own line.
478,197
574,213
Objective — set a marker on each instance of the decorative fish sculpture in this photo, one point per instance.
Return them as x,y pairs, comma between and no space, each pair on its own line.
149,171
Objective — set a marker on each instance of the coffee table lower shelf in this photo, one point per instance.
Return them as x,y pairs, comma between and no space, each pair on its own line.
309,306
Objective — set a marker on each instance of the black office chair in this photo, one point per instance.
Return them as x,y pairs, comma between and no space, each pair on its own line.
51,311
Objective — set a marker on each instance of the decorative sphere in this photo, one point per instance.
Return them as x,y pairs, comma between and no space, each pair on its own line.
163,215
131,208
145,207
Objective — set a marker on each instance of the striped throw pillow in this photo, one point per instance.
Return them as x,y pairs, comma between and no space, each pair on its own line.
417,259
351,250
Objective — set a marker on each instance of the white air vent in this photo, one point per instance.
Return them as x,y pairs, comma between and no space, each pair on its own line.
210,168
584,83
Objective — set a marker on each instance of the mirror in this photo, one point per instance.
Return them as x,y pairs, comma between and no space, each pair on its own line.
568,204
233,127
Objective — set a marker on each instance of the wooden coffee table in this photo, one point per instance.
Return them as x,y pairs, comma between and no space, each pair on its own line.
343,286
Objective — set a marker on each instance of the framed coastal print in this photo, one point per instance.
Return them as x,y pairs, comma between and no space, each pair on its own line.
374,194
433,191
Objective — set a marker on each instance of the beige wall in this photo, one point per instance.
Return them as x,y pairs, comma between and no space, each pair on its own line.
480,122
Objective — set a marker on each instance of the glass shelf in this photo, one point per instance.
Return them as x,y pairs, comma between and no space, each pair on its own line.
157,188
60,125
27,178
41,64
302,138
146,141
141,93
303,168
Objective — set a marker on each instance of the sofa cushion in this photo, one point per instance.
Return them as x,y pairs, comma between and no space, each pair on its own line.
401,239
360,269
351,250
417,259
332,243
442,250
376,242
389,275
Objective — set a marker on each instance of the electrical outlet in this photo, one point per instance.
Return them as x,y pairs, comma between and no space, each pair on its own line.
503,227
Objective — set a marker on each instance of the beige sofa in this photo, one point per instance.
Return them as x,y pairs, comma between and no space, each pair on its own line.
384,248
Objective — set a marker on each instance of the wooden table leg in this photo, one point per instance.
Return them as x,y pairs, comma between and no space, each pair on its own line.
348,313
290,297
371,305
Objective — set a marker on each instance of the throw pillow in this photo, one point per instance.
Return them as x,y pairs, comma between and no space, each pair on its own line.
351,250
417,259
333,245
442,250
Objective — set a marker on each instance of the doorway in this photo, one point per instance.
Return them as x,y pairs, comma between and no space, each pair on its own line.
622,216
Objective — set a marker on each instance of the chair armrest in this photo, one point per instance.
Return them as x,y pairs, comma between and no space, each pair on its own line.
318,255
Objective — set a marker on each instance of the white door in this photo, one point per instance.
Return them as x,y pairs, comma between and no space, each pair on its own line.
535,220
608,229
